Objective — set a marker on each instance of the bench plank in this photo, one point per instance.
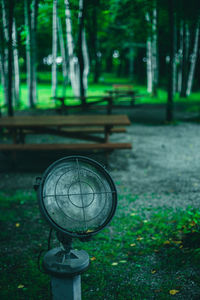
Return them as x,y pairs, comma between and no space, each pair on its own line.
62,121
57,147
84,130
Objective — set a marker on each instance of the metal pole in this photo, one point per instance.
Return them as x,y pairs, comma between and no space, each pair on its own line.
66,288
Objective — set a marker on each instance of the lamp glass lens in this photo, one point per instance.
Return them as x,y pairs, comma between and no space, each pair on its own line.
78,197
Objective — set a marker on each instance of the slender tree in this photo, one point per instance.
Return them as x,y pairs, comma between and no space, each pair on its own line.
2,69
30,12
185,60
80,49
180,58
73,60
149,59
63,54
193,60
16,66
169,110
10,56
34,15
4,49
54,48
154,50
27,14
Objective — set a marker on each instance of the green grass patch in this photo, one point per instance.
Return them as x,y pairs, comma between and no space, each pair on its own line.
105,83
146,254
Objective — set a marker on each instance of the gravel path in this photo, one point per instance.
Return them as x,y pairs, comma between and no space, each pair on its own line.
164,161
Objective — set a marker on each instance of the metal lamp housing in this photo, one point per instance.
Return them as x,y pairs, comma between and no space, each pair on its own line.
77,196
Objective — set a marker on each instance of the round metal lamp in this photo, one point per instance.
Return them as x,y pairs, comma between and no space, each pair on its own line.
78,198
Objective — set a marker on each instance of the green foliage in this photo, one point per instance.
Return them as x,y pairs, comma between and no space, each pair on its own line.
143,254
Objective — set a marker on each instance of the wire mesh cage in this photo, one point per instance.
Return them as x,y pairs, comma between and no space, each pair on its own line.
77,196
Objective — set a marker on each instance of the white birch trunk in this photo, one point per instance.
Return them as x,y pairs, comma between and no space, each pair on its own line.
149,59
193,61
28,53
180,57
154,50
149,67
86,61
33,48
16,66
5,51
63,54
54,49
73,60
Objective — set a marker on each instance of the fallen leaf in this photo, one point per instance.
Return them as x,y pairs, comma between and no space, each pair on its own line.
166,243
133,214
139,238
123,261
93,258
17,224
114,264
173,292
20,286
133,245
153,271
177,242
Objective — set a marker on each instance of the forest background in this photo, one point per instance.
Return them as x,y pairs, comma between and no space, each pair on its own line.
54,48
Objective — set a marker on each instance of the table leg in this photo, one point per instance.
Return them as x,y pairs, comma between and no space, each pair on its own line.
107,131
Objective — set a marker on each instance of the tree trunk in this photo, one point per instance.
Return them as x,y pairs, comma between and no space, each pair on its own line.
185,60
175,58
80,51
169,110
73,60
180,58
94,32
54,49
63,54
154,52
149,60
193,61
4,81
16,66
10,56
34,13
86,61
27,13
4,50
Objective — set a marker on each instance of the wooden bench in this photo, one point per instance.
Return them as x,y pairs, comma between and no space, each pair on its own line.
121,95
82,127
94,103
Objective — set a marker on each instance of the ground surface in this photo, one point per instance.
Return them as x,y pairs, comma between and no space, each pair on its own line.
161,173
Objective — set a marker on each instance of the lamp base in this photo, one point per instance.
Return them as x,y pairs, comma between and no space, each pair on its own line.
59,263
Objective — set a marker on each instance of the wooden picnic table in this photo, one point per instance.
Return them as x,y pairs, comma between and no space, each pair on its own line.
93,103
73,126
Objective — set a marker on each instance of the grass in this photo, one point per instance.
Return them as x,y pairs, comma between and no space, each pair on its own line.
147,254
105,83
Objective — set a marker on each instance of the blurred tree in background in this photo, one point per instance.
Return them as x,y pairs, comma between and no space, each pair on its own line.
150,42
